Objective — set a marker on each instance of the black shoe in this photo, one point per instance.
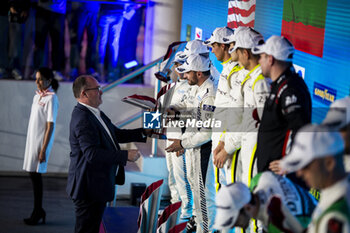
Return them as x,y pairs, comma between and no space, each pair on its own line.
191,225
36,216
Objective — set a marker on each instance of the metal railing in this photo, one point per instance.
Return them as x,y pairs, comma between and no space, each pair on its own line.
132,75
130,119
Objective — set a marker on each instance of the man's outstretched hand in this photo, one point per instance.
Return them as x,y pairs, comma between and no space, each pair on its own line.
147,132
133,155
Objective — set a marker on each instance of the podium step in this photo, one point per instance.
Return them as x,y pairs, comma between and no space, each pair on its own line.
120,220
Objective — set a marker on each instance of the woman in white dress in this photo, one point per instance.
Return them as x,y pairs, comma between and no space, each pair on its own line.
40,136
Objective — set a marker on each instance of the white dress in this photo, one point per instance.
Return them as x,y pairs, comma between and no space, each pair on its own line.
43,110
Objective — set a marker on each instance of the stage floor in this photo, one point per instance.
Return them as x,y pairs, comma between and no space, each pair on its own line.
120,219
16,203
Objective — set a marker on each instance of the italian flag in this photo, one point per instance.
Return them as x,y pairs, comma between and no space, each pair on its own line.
303,23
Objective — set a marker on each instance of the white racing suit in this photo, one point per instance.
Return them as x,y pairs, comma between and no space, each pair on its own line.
222,103
255,90
232,139
298,202
234,119
242,139
197,142
178,184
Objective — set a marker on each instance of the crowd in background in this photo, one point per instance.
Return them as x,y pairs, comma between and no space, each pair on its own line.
72,38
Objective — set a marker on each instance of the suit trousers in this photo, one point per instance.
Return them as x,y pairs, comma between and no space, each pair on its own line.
88,215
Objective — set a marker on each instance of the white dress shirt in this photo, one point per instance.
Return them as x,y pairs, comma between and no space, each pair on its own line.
97,114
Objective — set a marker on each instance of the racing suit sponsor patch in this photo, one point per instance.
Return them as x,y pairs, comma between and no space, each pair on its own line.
290,100
209,108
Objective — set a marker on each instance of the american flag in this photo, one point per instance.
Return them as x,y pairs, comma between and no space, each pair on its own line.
241,13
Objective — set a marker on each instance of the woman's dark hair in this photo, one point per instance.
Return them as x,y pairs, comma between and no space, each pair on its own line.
47,74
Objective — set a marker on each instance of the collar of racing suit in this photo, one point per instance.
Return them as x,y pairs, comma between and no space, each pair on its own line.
332,194
285,74
227,61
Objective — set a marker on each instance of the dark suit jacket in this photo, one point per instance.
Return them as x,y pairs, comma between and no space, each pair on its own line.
93,158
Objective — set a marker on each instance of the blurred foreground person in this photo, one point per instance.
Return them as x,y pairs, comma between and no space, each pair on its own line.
278,203
338,119
317,156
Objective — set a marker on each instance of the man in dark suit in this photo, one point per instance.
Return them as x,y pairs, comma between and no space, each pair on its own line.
95,155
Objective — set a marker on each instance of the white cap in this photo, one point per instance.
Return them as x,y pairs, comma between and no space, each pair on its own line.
277,46
195,62
194,47
338,115
220,35
232,38
178,58
247,38
229,201
312,142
